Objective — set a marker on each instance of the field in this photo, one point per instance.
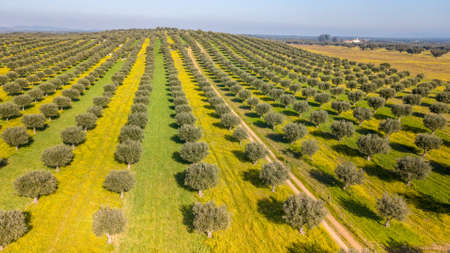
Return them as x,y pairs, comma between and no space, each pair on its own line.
424,62
143,88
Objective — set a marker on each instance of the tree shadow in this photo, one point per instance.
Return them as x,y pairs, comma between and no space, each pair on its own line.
413,129
244,107
188,217
322,134
324,177
277,137
252,176
272,209
364,131
214,115
358,209
173,125
331,112
179,178
382,116
402,147
394,246
418,114
252,115
177,139
426,202
289,113
240,155
177,158
3,162
261,124
307,247
438,168
305,122
380,172
346,150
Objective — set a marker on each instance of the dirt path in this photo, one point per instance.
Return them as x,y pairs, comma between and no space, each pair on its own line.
293,182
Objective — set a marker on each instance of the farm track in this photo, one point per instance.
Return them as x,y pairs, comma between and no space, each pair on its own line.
80,191
335,228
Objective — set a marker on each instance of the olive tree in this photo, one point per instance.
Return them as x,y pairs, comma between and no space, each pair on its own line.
240,134
372,144
427,142
96,110
23,101
229,120
209,218
185,118
392,207
49,110
86,120
36,94
375,102
128,152
72,94
140,119
194,152
349,174
342,128
274,174
301,107
13,225
252,102
340,106
108,221
101,101
287,99
309,147
412,99
73,136
9,110
434,122
132,133
35,184
34,121
16,136
62,102
362,114
389,126
201,176
387,93
189,133
273,119
119,181
355,96
439,107
262,109
412,168
400,110
255,151
318,117
322,98
301,210
56,156
294,131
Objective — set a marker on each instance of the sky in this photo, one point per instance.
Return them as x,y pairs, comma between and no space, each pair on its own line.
374,18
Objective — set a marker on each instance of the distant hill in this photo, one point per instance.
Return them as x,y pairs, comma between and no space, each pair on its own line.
49,29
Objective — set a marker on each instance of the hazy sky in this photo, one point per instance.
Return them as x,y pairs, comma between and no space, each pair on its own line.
394,18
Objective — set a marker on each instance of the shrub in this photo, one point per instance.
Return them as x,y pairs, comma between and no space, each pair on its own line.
128,152
56,156
209,218
9,110
412,168
273,119
35,184
13,225
342,128
119,181
86,121
318,117
255,151
108,221
138,119
434,122
294,131
392,207
194,152
301,210
49,110
274,174
201,176
16,136
372,144
73,136
185,118
189,133
349,174
427,142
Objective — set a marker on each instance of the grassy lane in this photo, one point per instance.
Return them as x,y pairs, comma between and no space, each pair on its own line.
256,224
154,206
62,222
